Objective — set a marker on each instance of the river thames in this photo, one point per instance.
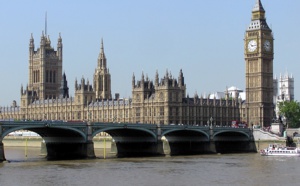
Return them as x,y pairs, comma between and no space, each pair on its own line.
222,169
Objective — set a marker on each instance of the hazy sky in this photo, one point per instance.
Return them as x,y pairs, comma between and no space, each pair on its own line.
203,38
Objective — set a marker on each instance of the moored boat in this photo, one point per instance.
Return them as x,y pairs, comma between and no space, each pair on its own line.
279,150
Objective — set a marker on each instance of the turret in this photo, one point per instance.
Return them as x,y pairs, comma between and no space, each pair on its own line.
82,81
156,78
195,97
21,89
142,81
42,46
59,47
31,45
133,80
167,78
180,79
43,40
76,84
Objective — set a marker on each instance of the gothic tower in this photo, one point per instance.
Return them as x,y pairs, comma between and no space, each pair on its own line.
45,68
102,81
286,88
259,68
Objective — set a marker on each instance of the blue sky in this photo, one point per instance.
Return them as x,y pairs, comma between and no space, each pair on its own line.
203,38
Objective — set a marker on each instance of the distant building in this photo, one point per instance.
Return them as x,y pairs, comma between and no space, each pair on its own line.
286,90
231,92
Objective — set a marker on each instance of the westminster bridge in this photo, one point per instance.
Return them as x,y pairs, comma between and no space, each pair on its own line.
74,140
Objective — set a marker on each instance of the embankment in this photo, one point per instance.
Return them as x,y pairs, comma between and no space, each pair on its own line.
34,141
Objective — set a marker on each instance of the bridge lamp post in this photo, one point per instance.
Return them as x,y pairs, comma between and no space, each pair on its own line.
211,121
90,116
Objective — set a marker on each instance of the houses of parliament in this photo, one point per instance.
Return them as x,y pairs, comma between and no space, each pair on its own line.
162,101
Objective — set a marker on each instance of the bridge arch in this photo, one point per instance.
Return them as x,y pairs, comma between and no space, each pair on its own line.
122,131
232,141
195,131
231,132
130,140
185,141
41,130
62,141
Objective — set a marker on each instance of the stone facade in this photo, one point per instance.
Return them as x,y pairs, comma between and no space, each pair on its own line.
163,101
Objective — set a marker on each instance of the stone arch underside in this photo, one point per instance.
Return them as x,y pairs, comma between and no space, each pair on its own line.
232,142
134,142
61,142
186,142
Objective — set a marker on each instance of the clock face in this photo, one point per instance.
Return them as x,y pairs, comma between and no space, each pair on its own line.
252,45
267,46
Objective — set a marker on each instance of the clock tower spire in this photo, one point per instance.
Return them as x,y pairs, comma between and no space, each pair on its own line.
259,69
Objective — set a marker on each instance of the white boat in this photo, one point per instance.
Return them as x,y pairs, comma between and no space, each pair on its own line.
279,150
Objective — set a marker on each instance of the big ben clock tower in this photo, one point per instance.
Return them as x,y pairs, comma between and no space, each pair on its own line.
259,69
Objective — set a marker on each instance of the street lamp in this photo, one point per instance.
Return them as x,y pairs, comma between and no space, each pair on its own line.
211,121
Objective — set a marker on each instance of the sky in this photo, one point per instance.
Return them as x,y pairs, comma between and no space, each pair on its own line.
203,38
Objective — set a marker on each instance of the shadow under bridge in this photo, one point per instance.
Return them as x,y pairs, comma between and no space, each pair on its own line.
186,142
62,142
132,140
233,142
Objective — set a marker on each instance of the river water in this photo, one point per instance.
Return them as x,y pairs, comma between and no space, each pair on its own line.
230,169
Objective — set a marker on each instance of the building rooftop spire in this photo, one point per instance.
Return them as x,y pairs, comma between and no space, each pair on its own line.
102,47
258,20
102,58
258,7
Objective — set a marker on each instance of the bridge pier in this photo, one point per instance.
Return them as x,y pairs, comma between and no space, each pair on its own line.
252,146
2,157
212,147
58,151
190,147
138,149
212,144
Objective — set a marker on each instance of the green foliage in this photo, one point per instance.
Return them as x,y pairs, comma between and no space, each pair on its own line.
291,110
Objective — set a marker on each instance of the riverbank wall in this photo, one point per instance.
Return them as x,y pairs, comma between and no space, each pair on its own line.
35,141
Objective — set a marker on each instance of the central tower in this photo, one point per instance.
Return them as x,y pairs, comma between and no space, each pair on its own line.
259,54
102,80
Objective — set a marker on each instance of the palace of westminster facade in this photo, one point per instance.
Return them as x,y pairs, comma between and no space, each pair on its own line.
164,100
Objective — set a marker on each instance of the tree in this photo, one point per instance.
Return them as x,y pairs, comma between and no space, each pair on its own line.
291,111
